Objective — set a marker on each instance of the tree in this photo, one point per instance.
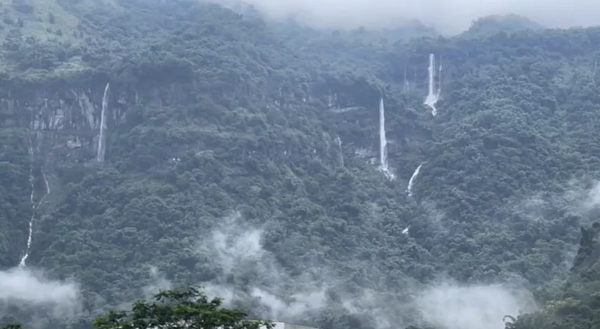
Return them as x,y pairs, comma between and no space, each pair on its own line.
12,326
173,309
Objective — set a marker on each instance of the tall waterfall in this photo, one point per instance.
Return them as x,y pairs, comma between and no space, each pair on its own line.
411,181
432,95
439,91
34,206
383,143
102,137
339,141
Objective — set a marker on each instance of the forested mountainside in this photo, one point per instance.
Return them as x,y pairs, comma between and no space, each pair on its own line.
244,155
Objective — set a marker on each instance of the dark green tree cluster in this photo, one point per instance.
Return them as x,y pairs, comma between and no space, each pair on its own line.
174,309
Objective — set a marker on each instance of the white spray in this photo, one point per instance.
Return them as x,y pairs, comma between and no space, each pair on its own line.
102,138
339,141
34,206
411,181
432,96
383,143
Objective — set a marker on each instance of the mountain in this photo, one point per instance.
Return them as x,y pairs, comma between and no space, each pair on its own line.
501,23
243,154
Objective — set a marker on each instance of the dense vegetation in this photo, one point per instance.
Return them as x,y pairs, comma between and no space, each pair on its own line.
214,112
189,308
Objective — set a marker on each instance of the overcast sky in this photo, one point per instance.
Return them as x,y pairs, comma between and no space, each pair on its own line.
448,16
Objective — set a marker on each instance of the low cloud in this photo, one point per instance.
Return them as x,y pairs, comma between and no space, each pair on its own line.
447,16
157,283
452,306
31,289
249,273
592,199
250,277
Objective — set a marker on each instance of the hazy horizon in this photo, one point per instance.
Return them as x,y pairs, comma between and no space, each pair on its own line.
446,16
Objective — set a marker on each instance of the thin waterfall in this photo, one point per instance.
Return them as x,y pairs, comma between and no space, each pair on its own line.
432,96
383,143
102,137
339,141
411,181
31,195
439,91
34,206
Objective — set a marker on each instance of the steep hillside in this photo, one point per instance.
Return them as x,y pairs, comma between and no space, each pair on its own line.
573,304
244,155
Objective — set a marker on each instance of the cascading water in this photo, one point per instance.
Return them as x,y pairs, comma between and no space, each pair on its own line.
383,143
102,137
432,96
339,141
411,181
439,91
34,206
31,179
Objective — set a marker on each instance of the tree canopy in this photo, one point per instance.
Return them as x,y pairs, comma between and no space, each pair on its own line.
174,309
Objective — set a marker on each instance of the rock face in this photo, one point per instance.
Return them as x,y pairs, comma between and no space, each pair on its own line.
64,120
589,248
58,129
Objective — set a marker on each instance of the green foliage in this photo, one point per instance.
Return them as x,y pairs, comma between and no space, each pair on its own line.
12,326
501,23
213,112
178,309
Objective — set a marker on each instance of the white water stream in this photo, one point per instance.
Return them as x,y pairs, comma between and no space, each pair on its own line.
102,137
432,95
411,181
34,206
383,143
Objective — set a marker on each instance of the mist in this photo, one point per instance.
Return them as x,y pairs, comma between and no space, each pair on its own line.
157,283
447,16
248,273
452,306
31,289
250,277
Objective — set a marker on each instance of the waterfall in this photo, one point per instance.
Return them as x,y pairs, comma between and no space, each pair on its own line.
383,143
439,91
31,179
34,206
432,96
102,138
411,181
382,138
339,141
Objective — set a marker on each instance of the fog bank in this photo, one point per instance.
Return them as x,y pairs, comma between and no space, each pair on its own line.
447,16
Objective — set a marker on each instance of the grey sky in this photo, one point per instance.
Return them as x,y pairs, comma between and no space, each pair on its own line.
448,16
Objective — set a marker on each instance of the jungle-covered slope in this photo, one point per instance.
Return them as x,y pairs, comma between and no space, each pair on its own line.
213,113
